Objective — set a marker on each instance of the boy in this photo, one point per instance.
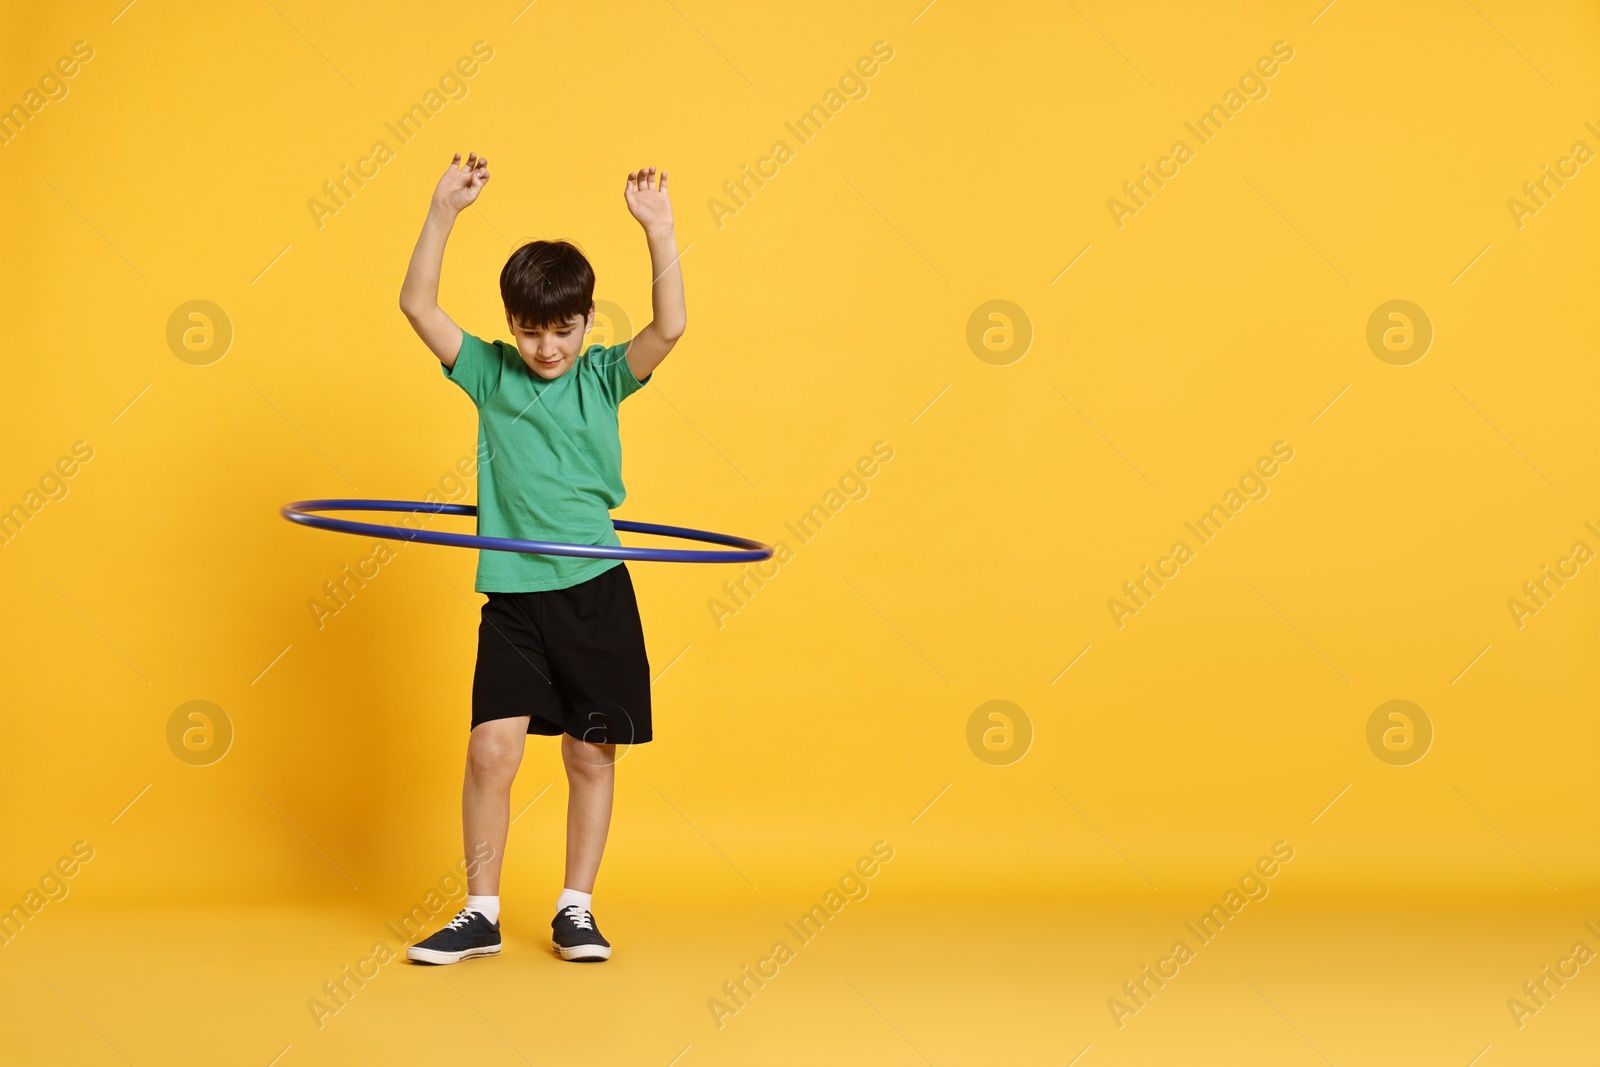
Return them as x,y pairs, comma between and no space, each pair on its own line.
560,646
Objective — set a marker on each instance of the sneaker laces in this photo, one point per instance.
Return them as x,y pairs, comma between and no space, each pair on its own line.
580,917
462,919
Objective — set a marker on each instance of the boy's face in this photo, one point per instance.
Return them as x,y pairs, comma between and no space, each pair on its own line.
551,351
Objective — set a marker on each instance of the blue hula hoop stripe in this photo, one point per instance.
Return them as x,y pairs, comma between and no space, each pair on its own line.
303,512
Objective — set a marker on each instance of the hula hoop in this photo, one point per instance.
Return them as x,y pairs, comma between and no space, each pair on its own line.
300,512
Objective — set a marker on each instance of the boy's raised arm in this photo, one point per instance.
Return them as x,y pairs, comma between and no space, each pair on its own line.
419,295
650,206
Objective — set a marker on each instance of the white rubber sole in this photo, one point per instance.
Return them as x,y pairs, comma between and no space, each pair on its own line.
428,955
583,953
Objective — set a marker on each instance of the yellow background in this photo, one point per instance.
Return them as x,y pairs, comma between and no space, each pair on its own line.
1229,313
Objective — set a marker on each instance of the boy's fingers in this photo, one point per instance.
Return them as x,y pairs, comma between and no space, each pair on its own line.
663,181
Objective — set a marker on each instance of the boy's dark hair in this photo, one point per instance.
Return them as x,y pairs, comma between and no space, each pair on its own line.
545,283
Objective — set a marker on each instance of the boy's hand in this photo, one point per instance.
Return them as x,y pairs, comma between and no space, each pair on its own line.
461,185
649,204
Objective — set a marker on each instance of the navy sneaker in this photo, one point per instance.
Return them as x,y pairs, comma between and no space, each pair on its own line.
576,937
469,934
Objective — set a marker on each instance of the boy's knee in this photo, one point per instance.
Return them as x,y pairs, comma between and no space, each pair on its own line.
492,756
584,757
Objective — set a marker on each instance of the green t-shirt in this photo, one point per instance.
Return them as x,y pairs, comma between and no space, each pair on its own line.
549,459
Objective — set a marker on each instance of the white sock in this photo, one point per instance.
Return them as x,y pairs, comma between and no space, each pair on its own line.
488,907
570,897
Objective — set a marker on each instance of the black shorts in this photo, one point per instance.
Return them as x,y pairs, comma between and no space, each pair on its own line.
573,659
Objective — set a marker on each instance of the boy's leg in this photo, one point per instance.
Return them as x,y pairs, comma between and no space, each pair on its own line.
597,656
494,752
591,777
591,774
